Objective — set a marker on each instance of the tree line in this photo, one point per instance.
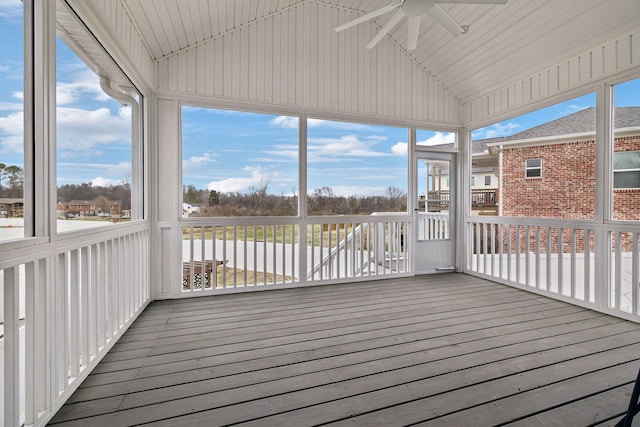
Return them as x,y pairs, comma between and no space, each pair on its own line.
257,201
88,191
12,186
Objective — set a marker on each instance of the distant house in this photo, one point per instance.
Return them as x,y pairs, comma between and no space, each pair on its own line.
550,170
93,207
11,207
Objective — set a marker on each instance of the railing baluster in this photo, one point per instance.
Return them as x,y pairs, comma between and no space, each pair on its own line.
527,255
72,319
509,252
573,261
293,252
284,256
500,230
587,265
518,253
11,347
617,301
85,306
635,279
537,258
548,263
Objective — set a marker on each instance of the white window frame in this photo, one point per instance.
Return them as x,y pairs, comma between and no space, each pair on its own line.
636,169
532,168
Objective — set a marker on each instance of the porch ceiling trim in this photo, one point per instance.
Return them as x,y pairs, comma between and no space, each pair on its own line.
581,72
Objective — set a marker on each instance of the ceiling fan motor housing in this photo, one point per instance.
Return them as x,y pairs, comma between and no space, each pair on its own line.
416,7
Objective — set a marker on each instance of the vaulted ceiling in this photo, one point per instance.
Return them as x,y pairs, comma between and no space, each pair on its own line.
287,52
503,41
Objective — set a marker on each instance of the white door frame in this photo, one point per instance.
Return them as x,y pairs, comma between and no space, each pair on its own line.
434,238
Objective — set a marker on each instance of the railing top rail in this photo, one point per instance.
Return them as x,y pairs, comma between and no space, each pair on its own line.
264,220
40,249
542,222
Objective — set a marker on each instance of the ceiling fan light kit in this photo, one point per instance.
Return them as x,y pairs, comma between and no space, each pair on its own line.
414,10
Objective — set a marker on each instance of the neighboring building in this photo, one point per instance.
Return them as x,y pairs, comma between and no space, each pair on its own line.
549,170
92,207
11,207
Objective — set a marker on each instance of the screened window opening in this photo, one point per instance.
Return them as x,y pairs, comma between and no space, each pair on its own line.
12,161
559,138
98,137
237,163
625,149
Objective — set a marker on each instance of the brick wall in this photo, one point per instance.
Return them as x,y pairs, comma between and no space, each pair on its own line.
566,188
626,202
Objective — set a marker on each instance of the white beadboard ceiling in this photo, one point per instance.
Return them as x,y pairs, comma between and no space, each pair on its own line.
504,43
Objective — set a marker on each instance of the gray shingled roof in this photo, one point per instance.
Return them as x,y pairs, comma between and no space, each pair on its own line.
581,122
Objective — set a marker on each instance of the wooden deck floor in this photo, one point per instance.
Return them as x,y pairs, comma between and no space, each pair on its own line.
446,349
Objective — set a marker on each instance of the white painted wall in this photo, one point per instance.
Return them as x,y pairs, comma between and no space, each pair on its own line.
593,66
275,60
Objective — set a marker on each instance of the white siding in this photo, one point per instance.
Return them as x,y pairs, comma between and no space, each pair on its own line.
129,48
601,62
294,58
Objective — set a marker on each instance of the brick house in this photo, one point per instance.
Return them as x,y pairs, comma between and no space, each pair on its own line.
91,207
549,171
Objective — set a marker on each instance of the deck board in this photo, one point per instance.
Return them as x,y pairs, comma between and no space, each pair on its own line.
433,350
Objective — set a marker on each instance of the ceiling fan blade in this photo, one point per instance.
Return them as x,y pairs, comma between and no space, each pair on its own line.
472,1
392,22
414,31
368,16
444,19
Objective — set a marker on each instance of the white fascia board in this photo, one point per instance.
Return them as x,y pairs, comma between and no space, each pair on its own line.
560,139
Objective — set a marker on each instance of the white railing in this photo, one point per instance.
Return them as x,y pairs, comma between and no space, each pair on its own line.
433,225
624,248
64,305
559,259
363,246
250,253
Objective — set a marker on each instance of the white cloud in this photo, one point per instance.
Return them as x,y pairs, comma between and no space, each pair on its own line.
81,131
81,82
121,170
285,122
496,130
321,149
105,182
11,133
10,8
400,149
285,153
257,177
570,109
197,162
288,122
440,139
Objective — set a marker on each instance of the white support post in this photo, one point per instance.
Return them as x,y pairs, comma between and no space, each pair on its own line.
604,144
11,348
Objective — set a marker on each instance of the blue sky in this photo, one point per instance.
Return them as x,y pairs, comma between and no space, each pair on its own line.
93,131
233,151
222,150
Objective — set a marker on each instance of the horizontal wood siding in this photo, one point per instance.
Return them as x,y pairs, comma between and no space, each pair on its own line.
294,58
615,57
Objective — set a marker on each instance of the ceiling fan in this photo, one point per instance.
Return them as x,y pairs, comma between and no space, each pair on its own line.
414,10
